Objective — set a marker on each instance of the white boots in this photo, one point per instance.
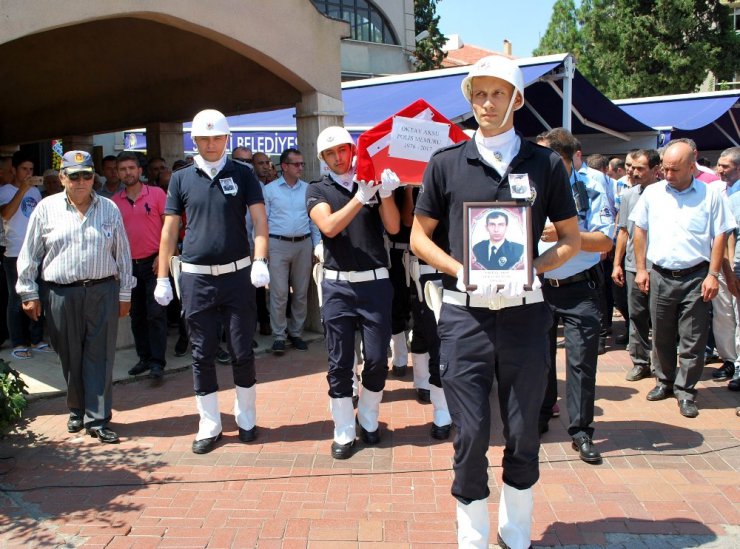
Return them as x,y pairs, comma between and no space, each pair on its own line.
399,354
368,410
343,414
245,412
515,517
209,427
514,520
442,422
210,416
420,362
473,526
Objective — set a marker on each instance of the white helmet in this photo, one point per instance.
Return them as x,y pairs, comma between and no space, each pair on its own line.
500,67
494,65
209,122
331,137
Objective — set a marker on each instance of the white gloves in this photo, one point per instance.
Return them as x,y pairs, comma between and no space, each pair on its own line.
366,191
515,288
460,284
389,183
260,275
163,292
511,289
318,252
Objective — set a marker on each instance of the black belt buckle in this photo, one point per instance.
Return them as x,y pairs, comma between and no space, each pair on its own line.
554,282
87,283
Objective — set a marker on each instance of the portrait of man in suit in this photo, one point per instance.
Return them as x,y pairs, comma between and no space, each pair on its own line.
497,253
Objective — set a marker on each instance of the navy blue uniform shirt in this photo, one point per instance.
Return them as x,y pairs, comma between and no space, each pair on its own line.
457,174
360,246
215,211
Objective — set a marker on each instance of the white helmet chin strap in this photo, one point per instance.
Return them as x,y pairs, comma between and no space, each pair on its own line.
508,111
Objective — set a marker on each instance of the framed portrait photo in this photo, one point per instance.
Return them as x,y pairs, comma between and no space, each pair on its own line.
498,243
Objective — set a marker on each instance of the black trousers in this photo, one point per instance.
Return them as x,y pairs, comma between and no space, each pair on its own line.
346,307
148,318
401,293
210,303
477,346
425,338
577,305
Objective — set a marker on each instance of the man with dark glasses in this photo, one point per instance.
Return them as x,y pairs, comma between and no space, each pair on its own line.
77,244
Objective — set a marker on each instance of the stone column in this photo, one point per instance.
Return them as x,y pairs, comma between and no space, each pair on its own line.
165,139
315,112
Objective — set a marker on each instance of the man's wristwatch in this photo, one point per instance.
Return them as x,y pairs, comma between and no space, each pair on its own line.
262,259
715,274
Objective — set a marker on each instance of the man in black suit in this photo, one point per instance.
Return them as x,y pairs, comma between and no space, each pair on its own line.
497,253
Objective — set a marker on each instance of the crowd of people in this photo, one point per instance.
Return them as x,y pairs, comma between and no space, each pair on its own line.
654,235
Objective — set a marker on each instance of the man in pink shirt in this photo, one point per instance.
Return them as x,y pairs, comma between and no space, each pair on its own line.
142,208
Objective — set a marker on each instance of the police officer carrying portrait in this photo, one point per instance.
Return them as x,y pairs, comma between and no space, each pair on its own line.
492,331
218,278
356,289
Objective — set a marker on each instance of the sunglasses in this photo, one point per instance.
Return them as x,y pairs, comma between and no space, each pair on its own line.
296,164
87,176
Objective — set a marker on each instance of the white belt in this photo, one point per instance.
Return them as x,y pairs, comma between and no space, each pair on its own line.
497,302
427,270
216,270
398,245
356,276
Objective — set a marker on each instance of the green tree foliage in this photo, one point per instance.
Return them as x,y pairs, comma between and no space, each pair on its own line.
12,397
428,52
563,32
632,48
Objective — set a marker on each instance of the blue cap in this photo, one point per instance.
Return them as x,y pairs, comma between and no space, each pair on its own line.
77,161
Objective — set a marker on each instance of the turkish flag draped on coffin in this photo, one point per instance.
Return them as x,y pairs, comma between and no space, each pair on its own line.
404,143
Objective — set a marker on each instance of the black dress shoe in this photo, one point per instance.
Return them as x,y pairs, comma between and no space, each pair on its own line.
181,347
622,339
441,432
398,371
734,385
248,436
139,368
205,445
586,450
502,544
726,371
423,396
660,392
103,434
688,408
637,373
278,347
298,343
367,436
156,372
74,424
341,451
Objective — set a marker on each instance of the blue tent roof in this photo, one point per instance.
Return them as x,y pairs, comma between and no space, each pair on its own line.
707,118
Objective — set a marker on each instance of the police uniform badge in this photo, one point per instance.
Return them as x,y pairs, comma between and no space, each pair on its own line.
228,186
79,157
519,185
502,261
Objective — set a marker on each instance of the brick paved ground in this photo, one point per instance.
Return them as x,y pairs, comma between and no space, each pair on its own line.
666,481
